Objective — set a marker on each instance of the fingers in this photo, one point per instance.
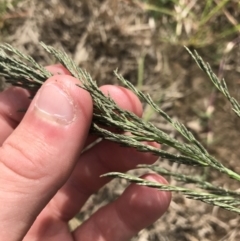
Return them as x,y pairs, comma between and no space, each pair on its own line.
124,98
102,158
12,101
137,208
85,178
57,69
41,152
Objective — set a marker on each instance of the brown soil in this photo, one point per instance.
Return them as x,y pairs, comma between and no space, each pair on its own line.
104,35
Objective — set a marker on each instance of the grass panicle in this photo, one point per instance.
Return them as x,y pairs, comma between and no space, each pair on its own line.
22,70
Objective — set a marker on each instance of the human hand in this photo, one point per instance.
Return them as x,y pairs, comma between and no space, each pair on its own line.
44,178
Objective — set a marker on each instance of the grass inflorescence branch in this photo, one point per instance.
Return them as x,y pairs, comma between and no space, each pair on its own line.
22,70
227,202
219,84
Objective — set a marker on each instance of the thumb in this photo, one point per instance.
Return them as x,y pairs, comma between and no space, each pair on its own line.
37,158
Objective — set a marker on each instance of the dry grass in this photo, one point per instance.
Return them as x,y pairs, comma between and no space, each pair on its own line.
146,47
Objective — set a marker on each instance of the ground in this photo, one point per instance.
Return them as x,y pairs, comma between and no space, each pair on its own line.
105,35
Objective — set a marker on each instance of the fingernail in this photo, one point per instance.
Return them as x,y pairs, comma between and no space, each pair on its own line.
55,105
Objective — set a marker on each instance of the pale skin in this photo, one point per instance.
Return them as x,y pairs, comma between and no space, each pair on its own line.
45,179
